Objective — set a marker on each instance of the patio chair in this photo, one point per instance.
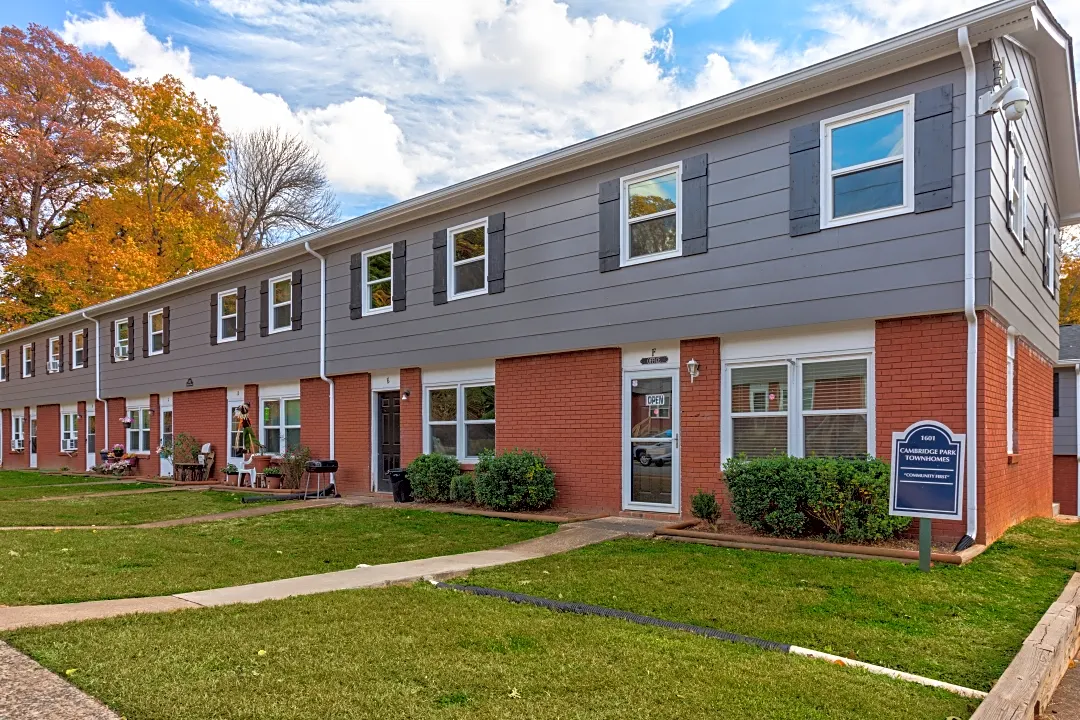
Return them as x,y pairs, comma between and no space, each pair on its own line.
206,457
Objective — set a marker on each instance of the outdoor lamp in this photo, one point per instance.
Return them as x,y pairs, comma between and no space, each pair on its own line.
405,394
693,367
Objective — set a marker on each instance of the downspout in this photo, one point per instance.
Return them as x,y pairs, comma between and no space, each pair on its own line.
97,375
322,341
1076,413
969,290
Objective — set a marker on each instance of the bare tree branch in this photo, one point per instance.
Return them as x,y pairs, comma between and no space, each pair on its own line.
277,189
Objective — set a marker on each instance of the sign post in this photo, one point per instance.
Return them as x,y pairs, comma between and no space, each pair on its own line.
927,480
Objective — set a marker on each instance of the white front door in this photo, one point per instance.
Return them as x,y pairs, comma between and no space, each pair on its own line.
91,440
33,439
166,440
651,440
236,452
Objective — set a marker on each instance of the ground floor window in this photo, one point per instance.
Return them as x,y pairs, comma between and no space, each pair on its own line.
829,415
69,432
461,420
18,437
281,424
138,433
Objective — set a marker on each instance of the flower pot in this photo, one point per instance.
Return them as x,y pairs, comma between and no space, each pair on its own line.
232,479
273,482
261,462
118,454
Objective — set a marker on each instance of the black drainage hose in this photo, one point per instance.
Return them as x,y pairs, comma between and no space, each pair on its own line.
583,609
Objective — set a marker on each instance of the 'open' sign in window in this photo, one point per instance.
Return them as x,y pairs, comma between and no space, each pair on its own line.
655,400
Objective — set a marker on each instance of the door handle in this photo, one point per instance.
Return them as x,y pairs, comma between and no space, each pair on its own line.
676,441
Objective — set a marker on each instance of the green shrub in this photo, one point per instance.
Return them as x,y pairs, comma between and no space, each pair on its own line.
514,480
430,476
703,506
461,488
845,499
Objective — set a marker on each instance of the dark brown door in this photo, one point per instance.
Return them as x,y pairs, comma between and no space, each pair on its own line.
389,438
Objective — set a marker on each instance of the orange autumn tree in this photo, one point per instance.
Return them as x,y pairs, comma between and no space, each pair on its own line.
163,216
1069,283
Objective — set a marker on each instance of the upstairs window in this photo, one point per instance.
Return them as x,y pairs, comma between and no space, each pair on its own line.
78,350
156,325
227,316
28,360
468,260
867,166
55,352
281,303
651,222
378,281
1016,201
122,339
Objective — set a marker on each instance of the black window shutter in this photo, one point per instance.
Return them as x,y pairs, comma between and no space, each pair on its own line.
297,299
131,337
804,167
933,149
496,250
165,329
695,199
33,359
146,334
356,285
609,225
264,308
1057,394
241,313
5,371
61,353
112,341
85,347
438,267
398,274
213,318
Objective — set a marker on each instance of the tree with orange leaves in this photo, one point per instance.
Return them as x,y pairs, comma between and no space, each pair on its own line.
1069,279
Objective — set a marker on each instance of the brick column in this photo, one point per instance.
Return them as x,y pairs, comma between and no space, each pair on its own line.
151,466
48,434
117,431
699,424
78,460
352,429
412,415
99,437
27,444
251,397
315,417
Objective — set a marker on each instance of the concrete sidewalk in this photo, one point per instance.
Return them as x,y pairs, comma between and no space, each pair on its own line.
30,692
568,537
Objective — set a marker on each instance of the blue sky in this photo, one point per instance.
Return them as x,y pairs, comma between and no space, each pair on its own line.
403,96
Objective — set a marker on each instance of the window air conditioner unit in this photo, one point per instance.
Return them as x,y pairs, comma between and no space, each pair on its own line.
69,445
16,444
120,352
54,366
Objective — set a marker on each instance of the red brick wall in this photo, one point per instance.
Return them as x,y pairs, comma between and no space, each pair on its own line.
569,407
251,397
1065,483
202,414
78,460
920,373
117,431
99,437
14,461
48,438
699,424
352,428
315,417
151,466
412,415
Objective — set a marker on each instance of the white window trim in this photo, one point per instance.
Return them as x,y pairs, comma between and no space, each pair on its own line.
282,434
366,284
273,305
1010,391
1050,235
54,357
624,214
18,431
459,422
221,316
907,104
81,363
69,437
5,372
160,312
118,342
1016,192
795,413
451,293
134,412
26,357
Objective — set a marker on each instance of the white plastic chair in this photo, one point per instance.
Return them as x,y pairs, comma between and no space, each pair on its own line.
245,469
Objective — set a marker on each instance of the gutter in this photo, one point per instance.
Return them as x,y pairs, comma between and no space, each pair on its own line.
97,375
971,421
322,342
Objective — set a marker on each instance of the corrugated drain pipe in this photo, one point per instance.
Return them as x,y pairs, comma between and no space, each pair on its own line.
322,346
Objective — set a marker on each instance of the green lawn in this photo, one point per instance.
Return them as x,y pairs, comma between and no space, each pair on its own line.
418,652
124,510
23,478
75,565
959,624
31,492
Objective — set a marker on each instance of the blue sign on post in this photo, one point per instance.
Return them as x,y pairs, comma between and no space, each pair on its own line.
927,472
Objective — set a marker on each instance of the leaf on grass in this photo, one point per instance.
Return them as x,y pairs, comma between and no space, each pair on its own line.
515,694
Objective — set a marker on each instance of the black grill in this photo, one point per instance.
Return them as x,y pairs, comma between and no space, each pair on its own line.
321,466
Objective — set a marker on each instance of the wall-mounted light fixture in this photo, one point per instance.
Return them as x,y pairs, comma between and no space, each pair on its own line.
405,394
693,367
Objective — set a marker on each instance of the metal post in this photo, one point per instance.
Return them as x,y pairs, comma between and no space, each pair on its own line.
924,544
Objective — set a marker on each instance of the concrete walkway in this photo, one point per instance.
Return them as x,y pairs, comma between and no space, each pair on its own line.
30,692
568,537
1065,704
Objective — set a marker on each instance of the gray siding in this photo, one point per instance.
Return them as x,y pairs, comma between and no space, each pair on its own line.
1065,422
67,387
1017,290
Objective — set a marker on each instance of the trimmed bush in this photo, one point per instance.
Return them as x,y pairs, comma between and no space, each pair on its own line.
514,480
430,476
845,499
461,489
703,506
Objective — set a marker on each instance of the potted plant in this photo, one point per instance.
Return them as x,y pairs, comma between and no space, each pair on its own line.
126,421
118,450
232,474
273,477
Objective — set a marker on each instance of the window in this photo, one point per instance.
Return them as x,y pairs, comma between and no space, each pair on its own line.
651,227
55,350
868,171
281,303
78,349
156,325
18,438
461,420
829,418
138,434
227,316
1010,392
1050,236
378,281
281,424
3,365
1016,202
467,269
27,360
122,339
69,432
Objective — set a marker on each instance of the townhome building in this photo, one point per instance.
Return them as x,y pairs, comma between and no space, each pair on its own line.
802,266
